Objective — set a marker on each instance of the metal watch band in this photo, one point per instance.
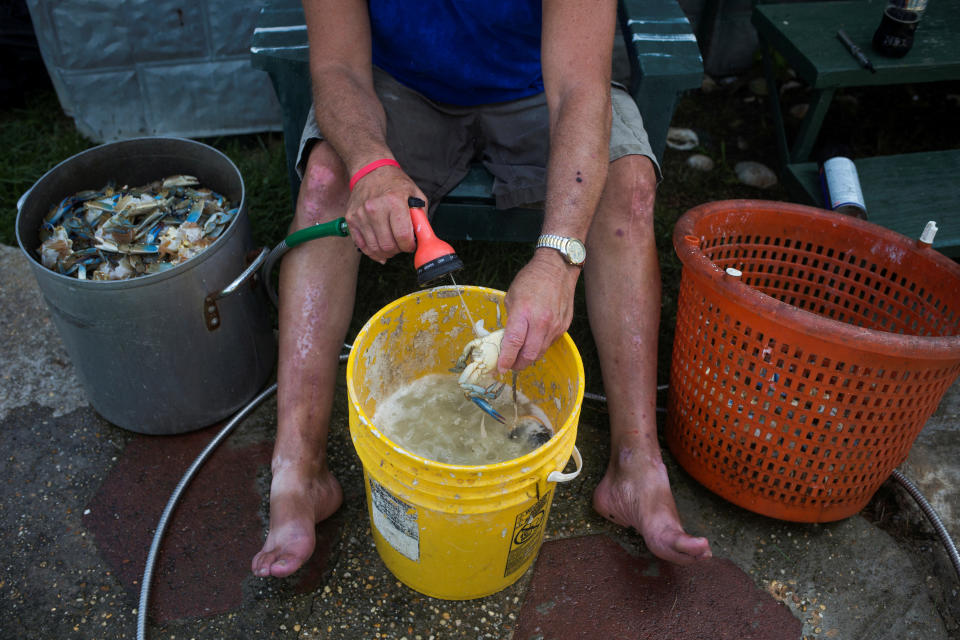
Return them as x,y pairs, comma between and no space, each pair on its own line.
552,242
570,248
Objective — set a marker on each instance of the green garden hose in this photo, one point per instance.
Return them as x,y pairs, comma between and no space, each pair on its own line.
336,227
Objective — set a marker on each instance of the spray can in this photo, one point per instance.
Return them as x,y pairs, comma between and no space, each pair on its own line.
841,187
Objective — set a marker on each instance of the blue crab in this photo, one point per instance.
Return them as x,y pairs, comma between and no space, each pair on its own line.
477,366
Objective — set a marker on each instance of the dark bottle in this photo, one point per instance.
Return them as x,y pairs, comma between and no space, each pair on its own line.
894,37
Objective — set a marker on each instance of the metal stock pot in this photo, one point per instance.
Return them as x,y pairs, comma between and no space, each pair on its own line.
168,352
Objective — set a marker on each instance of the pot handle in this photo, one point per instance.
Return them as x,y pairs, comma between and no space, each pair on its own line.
559,476
211,314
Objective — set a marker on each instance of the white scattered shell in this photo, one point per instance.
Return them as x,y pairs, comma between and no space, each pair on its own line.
709,85
788,85
848,100
798,111
700,162
682,139
758,87
754,174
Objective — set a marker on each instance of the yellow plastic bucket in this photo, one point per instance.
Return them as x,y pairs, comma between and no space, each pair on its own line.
454,531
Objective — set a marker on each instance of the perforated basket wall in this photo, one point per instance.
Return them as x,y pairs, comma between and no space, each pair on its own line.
797,387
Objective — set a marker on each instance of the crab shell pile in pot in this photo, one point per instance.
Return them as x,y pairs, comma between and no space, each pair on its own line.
116,234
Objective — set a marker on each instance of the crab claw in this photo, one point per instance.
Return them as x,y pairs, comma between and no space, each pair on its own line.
477,366
488,409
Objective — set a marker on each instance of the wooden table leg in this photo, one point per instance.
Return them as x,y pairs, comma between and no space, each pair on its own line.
773,95
810,126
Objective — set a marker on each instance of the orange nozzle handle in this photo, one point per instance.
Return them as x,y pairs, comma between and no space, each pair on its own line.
429,246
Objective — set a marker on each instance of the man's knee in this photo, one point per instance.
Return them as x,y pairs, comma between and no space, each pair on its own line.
323,190
632,180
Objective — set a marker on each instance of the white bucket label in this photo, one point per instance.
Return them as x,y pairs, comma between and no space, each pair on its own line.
395,520
527,532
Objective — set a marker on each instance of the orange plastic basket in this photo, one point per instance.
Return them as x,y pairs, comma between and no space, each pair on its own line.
798,385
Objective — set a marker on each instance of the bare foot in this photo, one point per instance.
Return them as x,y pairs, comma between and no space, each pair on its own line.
298,501
635,492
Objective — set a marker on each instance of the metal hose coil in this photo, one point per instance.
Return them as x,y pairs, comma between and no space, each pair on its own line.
932,516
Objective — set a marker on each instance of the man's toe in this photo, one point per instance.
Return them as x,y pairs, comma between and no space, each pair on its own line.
695,547
261,564
284,565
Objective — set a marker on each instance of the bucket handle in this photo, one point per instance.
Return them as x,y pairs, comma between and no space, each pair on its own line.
211,313
559,476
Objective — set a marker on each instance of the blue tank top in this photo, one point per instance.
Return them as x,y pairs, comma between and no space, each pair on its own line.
463,52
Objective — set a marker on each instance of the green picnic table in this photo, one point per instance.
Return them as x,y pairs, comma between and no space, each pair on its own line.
902,192
664,59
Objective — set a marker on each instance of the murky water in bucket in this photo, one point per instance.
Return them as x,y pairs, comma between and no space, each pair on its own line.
431,418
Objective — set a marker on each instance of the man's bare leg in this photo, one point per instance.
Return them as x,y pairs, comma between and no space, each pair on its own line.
317,288
622,280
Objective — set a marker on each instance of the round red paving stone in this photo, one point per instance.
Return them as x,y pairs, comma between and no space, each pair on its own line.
212,535
590,587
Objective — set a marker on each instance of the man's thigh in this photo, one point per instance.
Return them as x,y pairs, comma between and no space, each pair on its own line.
433,143
436,143
516,144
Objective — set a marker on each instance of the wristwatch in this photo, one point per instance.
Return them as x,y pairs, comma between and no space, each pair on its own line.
571,249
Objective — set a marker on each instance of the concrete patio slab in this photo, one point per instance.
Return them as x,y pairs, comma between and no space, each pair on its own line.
590,587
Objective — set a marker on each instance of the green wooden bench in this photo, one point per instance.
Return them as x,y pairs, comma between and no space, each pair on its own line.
902,192
664,62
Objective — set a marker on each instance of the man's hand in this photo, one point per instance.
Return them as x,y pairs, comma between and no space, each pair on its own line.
539,309
378,215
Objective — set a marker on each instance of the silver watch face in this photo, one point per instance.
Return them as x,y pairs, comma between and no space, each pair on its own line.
576,252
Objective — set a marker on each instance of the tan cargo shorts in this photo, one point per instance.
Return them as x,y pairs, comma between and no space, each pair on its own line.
436,143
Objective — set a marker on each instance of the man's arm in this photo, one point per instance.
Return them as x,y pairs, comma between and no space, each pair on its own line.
353,121
576,60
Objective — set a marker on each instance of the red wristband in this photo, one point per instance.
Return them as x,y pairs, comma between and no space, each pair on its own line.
376,164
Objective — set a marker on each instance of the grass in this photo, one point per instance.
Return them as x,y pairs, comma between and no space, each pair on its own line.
36,136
